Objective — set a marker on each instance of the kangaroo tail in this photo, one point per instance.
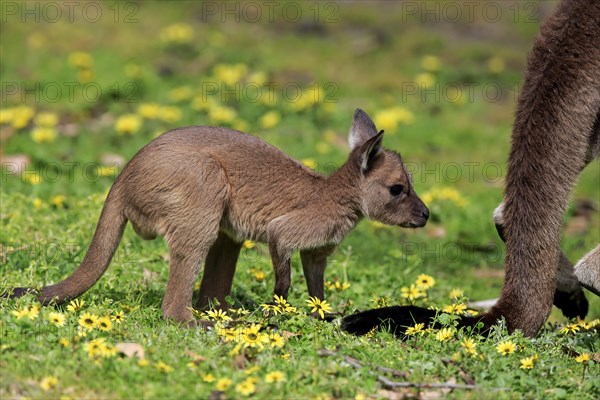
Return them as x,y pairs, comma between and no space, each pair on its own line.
104,244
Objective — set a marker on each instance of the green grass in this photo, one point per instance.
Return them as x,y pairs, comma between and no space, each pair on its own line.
369,58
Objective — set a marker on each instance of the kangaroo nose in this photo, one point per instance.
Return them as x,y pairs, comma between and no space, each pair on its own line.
425,213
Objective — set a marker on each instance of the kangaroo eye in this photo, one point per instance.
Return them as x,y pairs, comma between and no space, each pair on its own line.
395,190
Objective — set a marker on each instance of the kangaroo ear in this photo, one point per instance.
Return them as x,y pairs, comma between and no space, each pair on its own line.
370,151
362,129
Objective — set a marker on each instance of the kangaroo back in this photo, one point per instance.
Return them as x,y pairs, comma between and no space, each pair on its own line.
104,244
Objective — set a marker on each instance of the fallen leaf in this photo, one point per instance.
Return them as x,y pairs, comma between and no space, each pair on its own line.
130,349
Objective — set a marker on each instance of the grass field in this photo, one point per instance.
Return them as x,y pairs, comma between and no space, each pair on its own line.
84,88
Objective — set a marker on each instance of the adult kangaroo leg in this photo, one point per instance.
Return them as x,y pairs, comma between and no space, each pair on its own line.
219,270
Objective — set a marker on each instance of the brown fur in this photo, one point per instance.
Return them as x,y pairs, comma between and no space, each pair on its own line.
207,189
556,133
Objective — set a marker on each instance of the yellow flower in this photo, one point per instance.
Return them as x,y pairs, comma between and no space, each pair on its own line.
208,378
337,285
104,323
110,170
252,337
505,348
277,340
223,384
43,135
20,116
455,308
411,293
573,328
445,334
230,74
246,388
249,244
88,321
380,301
33,312
389,118
107,351
275,376
310,163
259,276
318,306
75,305
258,78
33,178
56,318
118,317
221,114
64,342
218,315
85,75
81,60
284,305
149,110
527,363
177,34
496,65
180,93
270,120
128,124
456,294
425,281
94,347
48,383
133,71
425,80
163,367
469,345
430,63
583,358
416,329
143,362
20,313
322,148
58,200
240,125
37,203
46,119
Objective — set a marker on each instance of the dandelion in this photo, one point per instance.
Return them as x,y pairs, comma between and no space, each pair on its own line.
223,384
380,301
527,363
94,347
389,118
208,378
20,313
163,367
20,116
337,285
249,244
64,342
221,114
573,328
583,358
104,323
258,78
108,170
33,312
270,120
133,71
416,329
177,34
218,315
75,305
430,63
57,319
88,321
58,200
128,124
42,134
469,345
456,294
505,348
143,362
496,65
81,60
240,125
455,308
275,376
246,388
37,203
149,110
411,293
230,74
425,80
46,119
425,281
48,383
319,306
181,93
259,276
107,351
118,317
310,163
445,334
285,356
323,148
33,178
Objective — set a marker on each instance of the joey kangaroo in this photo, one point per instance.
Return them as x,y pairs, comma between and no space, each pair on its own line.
556,133
206,189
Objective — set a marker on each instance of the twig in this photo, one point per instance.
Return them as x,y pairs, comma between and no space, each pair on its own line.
392,384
